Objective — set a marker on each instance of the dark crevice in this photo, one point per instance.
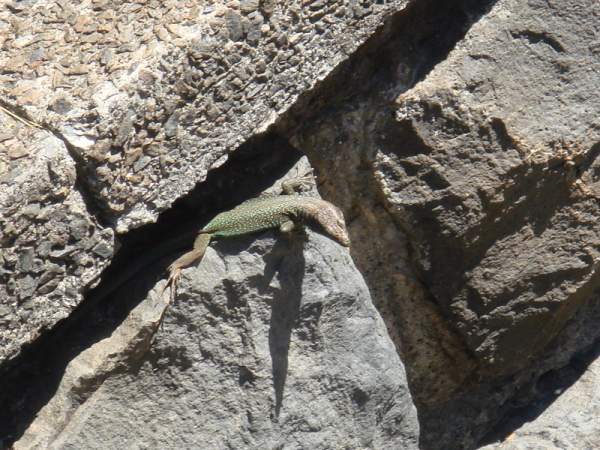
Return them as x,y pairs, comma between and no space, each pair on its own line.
31,379
503,137
537,37
93,204
19,114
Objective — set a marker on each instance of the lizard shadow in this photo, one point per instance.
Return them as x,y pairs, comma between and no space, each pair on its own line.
285,262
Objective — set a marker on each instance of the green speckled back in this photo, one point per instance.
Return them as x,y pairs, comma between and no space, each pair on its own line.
256,214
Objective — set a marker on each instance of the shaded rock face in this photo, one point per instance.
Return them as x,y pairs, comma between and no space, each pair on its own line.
488,192
459,138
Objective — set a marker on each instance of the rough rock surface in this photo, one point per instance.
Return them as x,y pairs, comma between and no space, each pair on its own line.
475,196
461,141
152,95
566,418
270,343
486,190
51,247
142,99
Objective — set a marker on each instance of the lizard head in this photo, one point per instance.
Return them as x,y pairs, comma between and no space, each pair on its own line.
331,218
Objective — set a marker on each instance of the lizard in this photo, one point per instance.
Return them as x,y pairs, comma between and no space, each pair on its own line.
281,212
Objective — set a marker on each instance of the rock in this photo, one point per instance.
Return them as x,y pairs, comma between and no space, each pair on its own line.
461,140
248,6
494,251
121,70
269,341
564,418
474,198
41,213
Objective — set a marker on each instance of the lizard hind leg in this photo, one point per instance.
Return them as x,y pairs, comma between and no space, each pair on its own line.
196,254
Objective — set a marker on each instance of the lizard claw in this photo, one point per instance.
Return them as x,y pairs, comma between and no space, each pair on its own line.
174,273
174,278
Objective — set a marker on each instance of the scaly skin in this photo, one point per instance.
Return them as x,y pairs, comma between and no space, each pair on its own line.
283,212
272,212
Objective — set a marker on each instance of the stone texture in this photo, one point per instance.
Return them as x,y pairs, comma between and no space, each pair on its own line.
52,247
342,141
270,343
136,102
462,143
152,95
487,190
473,197
566,419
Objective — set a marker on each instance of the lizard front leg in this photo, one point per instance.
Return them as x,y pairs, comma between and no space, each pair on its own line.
295,185
287,226
292,227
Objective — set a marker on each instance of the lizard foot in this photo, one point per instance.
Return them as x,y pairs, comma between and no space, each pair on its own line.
174,273
298,184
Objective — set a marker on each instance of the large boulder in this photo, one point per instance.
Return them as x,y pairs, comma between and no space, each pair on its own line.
467,164
271,342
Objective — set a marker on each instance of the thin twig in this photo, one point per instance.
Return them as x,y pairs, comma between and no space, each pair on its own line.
20,119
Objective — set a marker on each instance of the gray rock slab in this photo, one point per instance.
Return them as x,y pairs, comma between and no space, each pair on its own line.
51,246
271,343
